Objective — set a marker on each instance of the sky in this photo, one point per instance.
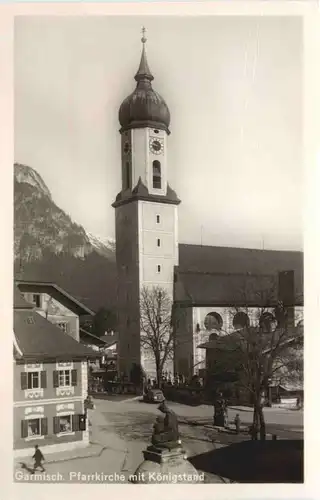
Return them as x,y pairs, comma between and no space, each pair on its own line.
234,89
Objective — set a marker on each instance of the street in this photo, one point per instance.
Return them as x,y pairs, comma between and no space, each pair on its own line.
124,427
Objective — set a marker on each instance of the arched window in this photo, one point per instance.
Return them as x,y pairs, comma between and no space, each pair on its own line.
213,321
240,320
128,175
156,174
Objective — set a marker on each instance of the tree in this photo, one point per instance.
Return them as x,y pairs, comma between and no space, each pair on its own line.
104,321
254,355
156,326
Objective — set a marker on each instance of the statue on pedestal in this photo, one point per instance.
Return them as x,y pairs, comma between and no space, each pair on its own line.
165,430
165,460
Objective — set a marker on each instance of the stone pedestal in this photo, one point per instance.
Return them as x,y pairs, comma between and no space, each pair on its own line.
167,467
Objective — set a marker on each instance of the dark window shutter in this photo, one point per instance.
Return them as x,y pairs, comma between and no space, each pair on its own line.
24,381
56,425
44,426
43,380
24,428
55,379
82,422
73,377
75,422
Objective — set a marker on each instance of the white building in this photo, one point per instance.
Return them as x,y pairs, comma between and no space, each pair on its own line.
204,282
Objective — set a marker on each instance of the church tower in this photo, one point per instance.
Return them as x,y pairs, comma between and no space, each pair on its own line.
146,212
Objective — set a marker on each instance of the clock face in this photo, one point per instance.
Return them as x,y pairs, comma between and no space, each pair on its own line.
126,148
156,146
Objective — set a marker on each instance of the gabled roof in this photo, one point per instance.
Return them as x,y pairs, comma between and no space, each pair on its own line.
92,338
57,293
216,289
214,259
213,276
37,338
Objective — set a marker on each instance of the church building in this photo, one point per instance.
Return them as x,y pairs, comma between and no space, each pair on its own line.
205,282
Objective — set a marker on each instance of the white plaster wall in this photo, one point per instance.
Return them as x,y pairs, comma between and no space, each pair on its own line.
162,158
198,315
150,244
227,314
139,155
149,214
142,158
150,270
84,379
298,314
55,312
150,256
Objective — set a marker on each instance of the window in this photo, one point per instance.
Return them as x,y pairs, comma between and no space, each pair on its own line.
213,321
158,219
36,299
63,325
33,380
158,242
156,131
64,378
159,268
65,424
156,174
128,175
34,427
241,320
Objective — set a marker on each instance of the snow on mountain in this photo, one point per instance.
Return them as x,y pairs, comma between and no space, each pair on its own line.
101,243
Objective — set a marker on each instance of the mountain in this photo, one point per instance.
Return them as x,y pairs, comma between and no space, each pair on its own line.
102,245
49,246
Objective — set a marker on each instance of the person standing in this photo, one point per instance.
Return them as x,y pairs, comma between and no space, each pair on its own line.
38,459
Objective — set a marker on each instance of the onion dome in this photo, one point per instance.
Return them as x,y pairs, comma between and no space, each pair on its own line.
144,107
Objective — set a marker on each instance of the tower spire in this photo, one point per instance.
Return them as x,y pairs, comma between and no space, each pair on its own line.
143,72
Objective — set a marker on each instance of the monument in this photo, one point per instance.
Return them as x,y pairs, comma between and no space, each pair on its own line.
165,461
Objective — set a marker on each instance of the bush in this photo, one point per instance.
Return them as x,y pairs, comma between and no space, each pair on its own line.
185,396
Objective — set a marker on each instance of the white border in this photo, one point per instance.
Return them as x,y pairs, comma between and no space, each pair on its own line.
312,251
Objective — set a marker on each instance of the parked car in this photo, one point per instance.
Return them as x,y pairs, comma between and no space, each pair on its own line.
153,396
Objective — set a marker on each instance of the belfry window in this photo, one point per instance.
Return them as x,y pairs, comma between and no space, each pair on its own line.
128,176
156,174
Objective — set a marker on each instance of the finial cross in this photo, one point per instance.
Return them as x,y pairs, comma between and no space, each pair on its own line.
143,39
